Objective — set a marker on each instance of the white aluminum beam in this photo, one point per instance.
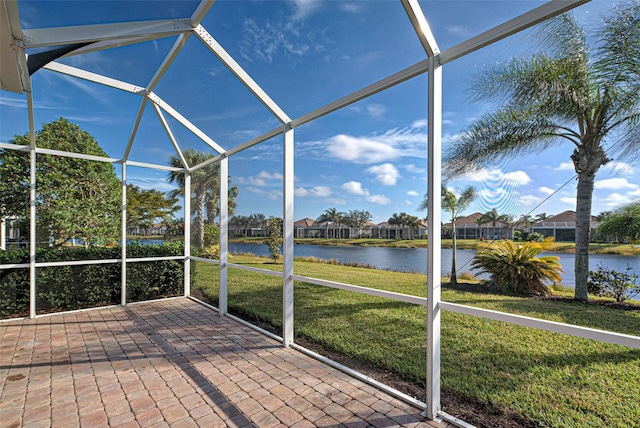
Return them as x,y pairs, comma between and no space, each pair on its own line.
264,137
153,166
110,44
202,259
420,24
14,147
207,162
201,11
93,77
134,129
519,23
76,155
10,73
3,234
223,283
155,259
388,82
556,327
364,290
98,32
242,75
15,266
434,183
167,129
123,239
185,122
168,60
32,208
288,229
255,269
187,233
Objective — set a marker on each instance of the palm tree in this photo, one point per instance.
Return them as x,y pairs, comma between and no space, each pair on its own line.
205,185
563,94
540,217
525,220
491,217
454,206
333,216
395,220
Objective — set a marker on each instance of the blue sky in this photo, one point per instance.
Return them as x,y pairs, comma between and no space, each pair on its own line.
305,54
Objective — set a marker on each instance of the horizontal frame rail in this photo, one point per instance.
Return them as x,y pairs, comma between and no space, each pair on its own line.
253,269
364,290
91,262
556,327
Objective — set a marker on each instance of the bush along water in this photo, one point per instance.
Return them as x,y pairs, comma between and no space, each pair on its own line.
64,288
516,268
610,283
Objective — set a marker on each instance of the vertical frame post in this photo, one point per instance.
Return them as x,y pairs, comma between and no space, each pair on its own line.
434,183
3,234
187,233
123,238
287,226
223,289
32,209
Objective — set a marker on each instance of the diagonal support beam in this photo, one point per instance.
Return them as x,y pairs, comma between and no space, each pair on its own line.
420,24
93,33
242,75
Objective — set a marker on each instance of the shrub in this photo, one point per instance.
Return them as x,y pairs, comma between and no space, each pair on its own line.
534,237
273,239
468,276
516,268
211,252
69,287
611,283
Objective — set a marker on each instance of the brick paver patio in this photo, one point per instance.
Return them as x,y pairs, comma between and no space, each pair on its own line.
174,363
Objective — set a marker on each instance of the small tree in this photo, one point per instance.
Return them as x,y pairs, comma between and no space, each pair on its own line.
517,268
611,283
273,239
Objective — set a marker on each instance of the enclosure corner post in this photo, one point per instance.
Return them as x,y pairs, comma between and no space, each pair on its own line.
187,233
434,183
224,237
288,245
123,239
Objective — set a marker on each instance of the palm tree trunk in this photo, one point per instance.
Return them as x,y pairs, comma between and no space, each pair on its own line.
200,203
583,229
454,278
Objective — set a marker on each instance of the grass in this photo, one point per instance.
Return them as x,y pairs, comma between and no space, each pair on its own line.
463,244
548,378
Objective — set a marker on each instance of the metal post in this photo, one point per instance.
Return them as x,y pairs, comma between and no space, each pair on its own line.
434,183
223,289
287,226
187,233
32,209
123,239
3,234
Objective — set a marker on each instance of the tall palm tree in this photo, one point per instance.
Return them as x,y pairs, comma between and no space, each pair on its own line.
454,206
333,216
205,185
566,93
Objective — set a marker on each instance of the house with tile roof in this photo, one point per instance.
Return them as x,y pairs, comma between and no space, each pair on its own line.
562,226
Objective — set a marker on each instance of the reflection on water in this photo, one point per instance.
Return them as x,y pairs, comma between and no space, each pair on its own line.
415,259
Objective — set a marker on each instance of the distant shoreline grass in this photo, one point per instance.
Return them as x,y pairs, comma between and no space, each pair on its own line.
463,244
549,379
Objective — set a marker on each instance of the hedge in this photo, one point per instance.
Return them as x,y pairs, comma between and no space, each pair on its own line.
64,288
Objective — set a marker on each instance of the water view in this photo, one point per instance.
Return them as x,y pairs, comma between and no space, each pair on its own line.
415,259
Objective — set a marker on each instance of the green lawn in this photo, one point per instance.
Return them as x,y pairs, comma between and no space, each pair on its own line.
553,379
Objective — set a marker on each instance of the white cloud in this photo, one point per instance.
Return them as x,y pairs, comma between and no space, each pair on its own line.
376,110
634,193
351,7
386,174
273,195
517,178
337,201
565,166
317,191
262,179
412,193
266,40
378,199
513,178
615,184
619,167
568,200
546,190
304,8
408,202
457,30
615,199
529,200
393,144
414,169
354,187
419,124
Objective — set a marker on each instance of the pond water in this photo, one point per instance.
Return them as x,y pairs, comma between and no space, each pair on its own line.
415,259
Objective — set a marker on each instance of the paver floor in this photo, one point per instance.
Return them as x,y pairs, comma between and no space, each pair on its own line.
174,363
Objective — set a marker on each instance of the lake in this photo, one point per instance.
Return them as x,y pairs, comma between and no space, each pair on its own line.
415,259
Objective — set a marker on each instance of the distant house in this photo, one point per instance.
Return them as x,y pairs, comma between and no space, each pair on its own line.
561,226
468,228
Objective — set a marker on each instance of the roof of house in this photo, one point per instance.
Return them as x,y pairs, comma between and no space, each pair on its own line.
564,217
305,222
